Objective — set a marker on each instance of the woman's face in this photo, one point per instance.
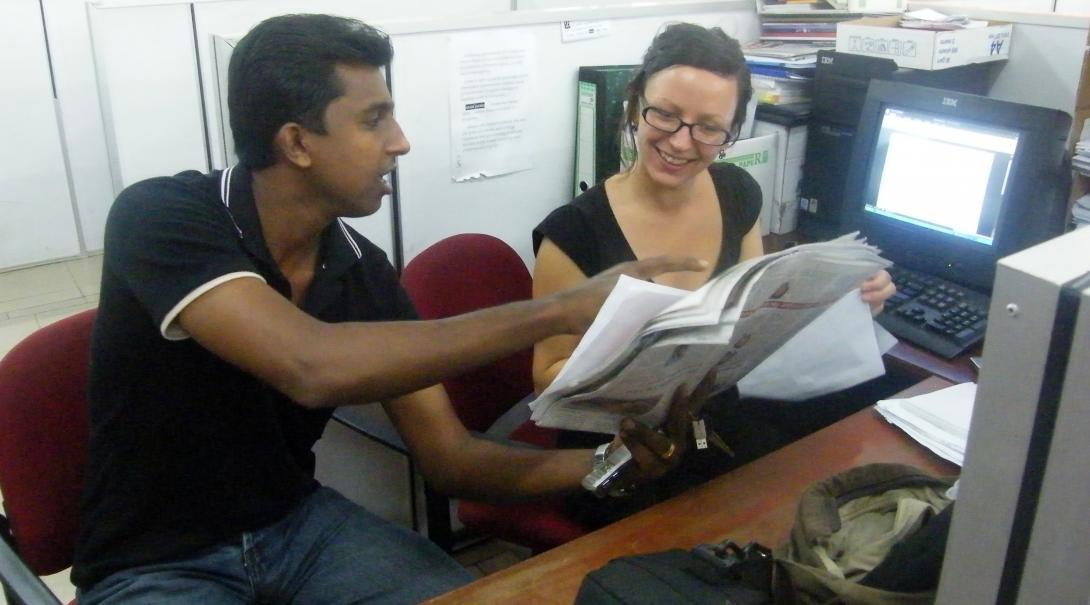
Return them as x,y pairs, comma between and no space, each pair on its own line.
695,96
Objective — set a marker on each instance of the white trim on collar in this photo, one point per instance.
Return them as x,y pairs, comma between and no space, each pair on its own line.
225,195
225,186
348,236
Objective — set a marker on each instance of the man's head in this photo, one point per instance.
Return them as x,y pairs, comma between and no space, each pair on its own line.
285,70
306,92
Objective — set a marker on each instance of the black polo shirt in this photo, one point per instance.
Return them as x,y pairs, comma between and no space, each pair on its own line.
186,450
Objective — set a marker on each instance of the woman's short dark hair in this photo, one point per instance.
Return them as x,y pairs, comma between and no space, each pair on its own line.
283,71
710,49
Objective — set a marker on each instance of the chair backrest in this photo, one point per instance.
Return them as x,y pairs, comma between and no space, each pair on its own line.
463,273
43,439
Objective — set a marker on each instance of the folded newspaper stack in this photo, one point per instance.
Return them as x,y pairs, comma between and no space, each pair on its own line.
648,339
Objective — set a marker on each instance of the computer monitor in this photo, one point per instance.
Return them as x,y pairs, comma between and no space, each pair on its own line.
947,182
1020,529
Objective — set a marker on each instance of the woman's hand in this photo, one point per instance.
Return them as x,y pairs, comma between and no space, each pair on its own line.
877,289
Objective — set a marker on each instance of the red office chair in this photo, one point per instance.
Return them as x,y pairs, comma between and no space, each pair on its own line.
43,443
457,275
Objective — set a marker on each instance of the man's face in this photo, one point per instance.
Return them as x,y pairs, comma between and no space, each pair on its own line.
360,145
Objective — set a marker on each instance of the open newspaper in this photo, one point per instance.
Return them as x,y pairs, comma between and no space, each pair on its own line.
648,339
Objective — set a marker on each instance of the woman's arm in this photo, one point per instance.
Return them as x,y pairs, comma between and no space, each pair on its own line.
553,271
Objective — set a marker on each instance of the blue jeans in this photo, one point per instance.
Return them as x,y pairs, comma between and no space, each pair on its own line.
327,550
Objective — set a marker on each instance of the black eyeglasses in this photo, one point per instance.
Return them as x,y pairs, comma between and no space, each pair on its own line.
665,121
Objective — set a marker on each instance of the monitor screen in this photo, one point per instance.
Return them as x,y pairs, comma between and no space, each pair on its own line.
947,183
941,174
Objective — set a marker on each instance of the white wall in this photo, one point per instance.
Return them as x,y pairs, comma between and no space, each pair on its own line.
1065,7
81,115
1046,53
1042,69
36,217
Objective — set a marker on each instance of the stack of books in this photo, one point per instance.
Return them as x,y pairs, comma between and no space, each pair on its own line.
1080,212
802,20
792,33
782,72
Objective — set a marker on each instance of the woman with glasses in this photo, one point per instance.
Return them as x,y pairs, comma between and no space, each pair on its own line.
685,105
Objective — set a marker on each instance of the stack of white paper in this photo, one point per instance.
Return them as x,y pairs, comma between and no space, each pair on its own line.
938,420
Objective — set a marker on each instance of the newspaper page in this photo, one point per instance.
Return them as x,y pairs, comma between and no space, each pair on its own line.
770,299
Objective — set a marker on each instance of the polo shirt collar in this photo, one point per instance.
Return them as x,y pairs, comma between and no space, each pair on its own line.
339,252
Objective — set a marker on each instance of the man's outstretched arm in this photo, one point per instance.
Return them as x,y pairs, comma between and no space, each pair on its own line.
247,323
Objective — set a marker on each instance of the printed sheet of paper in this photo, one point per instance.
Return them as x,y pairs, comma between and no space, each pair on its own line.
806,366
493,81
629,306
573,31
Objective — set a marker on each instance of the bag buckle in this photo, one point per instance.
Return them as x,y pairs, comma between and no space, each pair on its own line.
750,565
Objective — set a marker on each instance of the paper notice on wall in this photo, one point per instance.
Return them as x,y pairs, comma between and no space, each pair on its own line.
493,82
573,31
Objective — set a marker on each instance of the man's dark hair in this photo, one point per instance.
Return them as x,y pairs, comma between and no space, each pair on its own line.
283,71
704,48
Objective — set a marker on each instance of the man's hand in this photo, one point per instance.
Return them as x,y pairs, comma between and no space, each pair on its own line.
655,452
877,289
580,304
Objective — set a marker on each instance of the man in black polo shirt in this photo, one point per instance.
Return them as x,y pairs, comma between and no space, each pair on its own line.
237,309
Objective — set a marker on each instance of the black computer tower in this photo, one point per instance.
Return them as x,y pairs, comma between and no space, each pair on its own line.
840,87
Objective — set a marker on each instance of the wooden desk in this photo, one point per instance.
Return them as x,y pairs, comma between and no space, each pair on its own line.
754,502
914,361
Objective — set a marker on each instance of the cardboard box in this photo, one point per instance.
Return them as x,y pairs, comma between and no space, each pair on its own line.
923,49
757,156
790,154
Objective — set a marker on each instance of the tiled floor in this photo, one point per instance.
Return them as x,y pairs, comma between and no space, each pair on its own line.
34,297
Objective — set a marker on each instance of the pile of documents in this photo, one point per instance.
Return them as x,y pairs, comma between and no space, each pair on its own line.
1080,212
648,339
781,72
938,420
934,20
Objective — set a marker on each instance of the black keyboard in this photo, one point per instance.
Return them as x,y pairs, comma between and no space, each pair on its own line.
934,313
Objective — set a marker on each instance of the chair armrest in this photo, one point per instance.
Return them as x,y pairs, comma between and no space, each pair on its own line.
21,585
371,421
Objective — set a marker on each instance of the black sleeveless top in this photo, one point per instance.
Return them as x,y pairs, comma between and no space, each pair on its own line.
587,230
